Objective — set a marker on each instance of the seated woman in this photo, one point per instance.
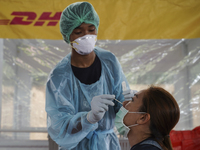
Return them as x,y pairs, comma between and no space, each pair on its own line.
148,118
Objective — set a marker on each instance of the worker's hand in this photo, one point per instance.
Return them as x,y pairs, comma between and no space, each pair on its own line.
99,105
129,94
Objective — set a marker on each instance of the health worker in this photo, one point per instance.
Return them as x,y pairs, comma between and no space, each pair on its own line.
81,89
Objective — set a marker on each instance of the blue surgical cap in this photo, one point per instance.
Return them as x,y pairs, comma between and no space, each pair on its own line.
74,15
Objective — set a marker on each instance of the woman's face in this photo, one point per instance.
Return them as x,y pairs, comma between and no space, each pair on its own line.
133,106
82,30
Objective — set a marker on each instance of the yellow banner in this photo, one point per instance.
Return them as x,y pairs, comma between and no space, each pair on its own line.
119,19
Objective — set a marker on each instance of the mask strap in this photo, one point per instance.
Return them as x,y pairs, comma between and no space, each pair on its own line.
133,125
138,112
73,46
135,113
75,42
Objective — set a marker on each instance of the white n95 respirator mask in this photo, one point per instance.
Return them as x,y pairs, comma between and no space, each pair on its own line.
85,44
119,123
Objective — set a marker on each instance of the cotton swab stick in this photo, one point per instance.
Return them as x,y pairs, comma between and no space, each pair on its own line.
118,101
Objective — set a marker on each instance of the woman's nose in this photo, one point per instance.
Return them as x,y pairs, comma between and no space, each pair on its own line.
125,102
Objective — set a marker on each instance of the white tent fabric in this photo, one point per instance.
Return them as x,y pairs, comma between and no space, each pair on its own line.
172,64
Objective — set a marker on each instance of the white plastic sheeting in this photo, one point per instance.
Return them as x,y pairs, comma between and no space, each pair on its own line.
172,64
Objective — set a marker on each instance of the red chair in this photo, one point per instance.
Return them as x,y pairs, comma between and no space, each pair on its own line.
186,140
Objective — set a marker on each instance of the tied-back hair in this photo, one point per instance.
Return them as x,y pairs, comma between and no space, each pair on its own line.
164,114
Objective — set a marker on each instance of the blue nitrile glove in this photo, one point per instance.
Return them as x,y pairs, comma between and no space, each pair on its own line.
129,94
99,105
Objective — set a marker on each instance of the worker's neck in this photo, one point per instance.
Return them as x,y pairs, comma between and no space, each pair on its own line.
82,61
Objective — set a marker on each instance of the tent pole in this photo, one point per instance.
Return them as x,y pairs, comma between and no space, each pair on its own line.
1,76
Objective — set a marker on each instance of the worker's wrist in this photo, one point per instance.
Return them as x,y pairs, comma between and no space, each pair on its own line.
89,118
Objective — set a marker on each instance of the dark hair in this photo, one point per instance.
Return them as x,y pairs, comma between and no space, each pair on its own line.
164,114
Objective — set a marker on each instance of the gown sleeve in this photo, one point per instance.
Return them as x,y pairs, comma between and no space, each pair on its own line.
65,126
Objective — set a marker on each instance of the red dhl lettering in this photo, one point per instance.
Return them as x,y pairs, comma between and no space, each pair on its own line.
27,18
